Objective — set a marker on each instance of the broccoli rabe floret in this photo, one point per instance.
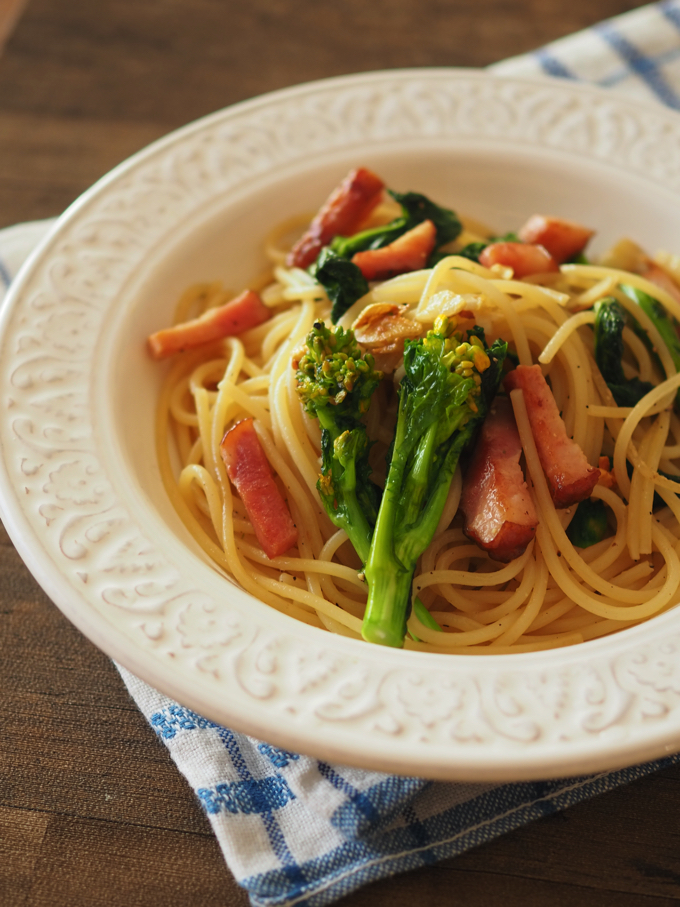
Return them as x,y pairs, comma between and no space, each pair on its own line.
445,394
335,382
448,386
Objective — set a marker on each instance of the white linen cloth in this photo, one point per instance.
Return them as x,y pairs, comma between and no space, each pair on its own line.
294,830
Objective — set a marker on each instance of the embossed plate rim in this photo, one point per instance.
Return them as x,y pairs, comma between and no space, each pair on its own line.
421,746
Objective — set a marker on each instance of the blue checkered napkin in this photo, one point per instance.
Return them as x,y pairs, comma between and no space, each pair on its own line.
296,831
637,54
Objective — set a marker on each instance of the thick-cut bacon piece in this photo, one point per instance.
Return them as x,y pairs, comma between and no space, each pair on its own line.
407,253
248,468
570,477
524,259
499,513
561,238
342,214
234,317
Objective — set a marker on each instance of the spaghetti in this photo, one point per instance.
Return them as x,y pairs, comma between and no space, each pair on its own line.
554,594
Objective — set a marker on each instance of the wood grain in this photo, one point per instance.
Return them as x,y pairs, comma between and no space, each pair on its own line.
10,10
84,84
92,810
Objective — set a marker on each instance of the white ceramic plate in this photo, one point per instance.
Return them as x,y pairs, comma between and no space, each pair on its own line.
81,494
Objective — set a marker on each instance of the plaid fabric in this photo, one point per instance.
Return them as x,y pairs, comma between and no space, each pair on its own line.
298,831
637,54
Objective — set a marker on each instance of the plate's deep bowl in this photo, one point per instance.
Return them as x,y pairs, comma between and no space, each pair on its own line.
81,492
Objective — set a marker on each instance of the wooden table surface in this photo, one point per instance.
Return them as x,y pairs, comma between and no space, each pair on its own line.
92,810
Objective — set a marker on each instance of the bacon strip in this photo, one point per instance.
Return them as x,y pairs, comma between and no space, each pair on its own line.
248,468
561,238
234,317
524,259
407,253
499,513
570,477
342,214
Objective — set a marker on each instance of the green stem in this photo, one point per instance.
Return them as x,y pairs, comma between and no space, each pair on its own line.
351,515
389,597
356,526
418,478
412,539
389,581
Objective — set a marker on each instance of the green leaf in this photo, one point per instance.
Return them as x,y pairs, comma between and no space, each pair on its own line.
343,281
610,320
473,250
418,208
